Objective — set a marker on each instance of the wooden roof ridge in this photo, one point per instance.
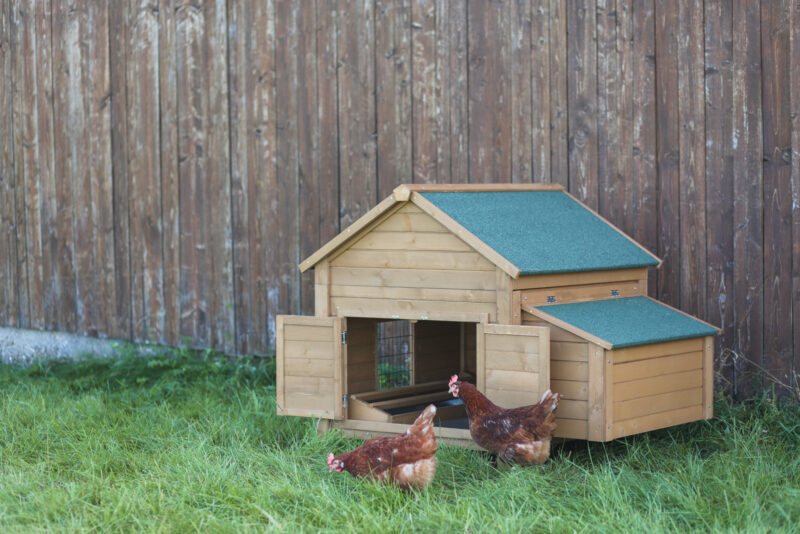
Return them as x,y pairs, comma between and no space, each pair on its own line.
407,193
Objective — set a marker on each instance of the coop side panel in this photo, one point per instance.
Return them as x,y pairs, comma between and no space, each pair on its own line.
513,363
308,371
657,385
410,266
569,376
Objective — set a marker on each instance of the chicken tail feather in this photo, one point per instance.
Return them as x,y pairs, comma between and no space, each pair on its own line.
424,422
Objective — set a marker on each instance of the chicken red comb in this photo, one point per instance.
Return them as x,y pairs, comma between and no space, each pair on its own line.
330,459
453,378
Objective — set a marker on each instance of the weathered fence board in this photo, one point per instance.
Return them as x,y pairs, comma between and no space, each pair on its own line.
165,165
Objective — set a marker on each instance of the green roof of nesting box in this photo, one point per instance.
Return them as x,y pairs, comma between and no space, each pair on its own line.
524,229
542,232
628,322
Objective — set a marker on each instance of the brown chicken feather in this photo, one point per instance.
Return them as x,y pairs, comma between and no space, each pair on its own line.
406,460
517,435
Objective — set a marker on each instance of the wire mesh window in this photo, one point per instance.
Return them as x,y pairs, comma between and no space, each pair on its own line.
395,353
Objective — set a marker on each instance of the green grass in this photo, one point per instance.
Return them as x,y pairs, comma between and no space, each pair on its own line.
192,443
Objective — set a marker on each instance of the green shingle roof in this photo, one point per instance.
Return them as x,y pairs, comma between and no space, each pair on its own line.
541,231
627,322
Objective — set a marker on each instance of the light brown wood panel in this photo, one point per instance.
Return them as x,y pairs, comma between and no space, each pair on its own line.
309,349
435,279
411,222
572,409
656,421
657,366
306,333
513,361
656,350
583,293
581,278
528,344
570,428
596,398
511,380
568,350
646,387
656,403
424,307
303,367
556,333
512,398
453,295
569,370
413,259
377,240
569,389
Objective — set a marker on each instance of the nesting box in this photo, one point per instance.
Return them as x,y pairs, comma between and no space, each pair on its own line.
518,288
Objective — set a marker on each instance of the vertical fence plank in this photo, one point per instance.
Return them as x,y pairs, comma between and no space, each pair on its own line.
541,26
442,92
719,170
610,200
357,127
307,148
489,93
747,194
644,181
9,282
117,46
582,100
459,94
144,148
794,84
559,69
624,118
691,116
252,49
777,128
424,103
287,31
68,150
393,65
520,20
668,150
170,184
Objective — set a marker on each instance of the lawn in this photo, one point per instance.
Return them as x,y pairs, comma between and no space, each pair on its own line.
191,442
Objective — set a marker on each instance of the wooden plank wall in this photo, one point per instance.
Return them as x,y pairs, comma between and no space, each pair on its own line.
165,165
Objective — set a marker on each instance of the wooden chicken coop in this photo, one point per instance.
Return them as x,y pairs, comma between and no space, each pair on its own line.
517,288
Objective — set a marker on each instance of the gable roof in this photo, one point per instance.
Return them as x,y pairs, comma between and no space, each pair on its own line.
624,322
522,228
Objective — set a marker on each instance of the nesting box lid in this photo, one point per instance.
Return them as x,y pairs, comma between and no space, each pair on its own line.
524,229
625,322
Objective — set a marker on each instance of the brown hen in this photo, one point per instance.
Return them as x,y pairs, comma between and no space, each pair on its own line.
406,460
517,435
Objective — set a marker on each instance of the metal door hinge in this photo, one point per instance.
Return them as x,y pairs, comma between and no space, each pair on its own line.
344,401
344,337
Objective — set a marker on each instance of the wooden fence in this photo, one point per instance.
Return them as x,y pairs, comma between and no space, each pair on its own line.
164,165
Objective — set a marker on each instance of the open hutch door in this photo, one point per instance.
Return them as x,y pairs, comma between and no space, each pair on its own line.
308,353
513,363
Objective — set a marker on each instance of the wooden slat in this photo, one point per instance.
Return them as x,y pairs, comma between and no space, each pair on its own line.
540,28
456,37
520,80
395,307
570,429
327,61
570,389
794,84
610,181
582,100
748,247
692,140
144,143
513,361
568,350
656,403
453,295
572,409
9,283
668,148
509,398
413,259
656,350
708,378
719,170
503,294
305,367
645,387
559,99
596,395
656,421
377,240
307,332
659,366
777,171
434,279
423,91
541,313
569,370
620,209
583,293
575,279
356,79
489,93
511,380
529,344
393,94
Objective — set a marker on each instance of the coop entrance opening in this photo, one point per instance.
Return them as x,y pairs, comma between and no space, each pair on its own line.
395,368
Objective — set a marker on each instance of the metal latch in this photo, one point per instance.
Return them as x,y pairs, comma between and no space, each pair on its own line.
551,299
344,400
615,292
344,337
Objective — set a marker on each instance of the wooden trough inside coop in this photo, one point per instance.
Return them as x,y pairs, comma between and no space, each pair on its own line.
518,288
